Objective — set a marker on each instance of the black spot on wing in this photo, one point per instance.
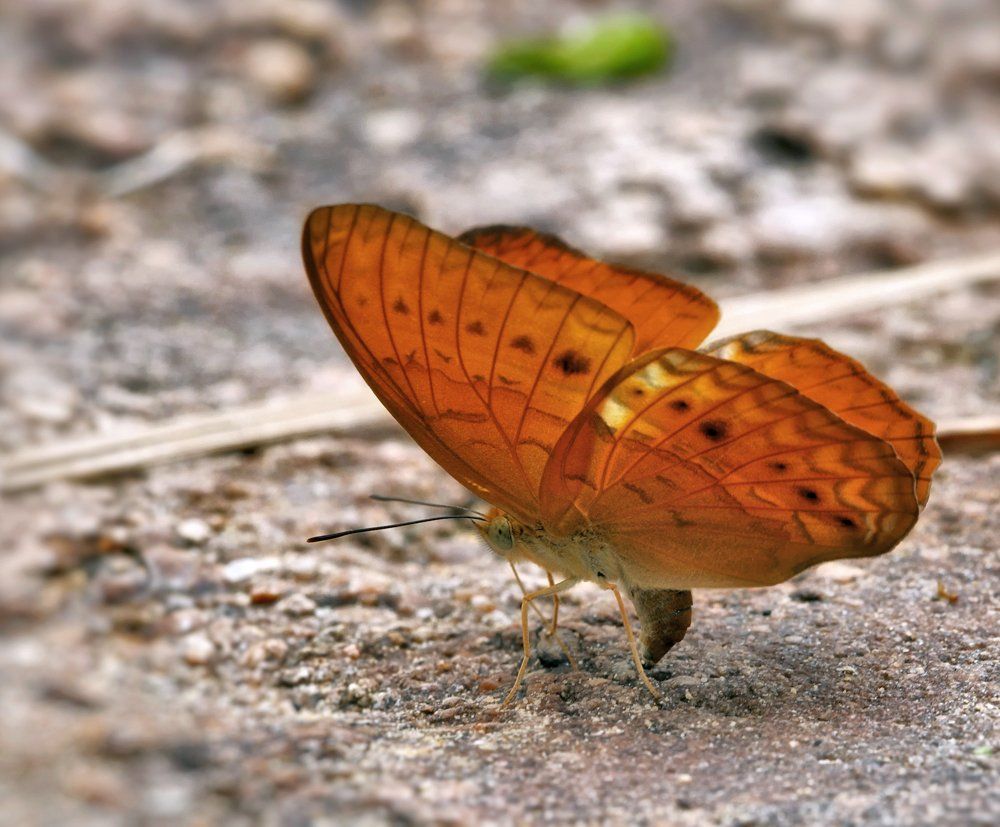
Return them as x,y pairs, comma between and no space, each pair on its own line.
524,344
400,306
572,363
714,429
680,405
435,317
475,328
809,494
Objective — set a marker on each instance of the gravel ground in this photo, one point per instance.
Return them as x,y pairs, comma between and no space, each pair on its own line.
173,652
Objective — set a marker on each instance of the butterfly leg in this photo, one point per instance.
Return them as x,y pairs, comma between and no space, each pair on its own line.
554,589
555,608
631,642
555,615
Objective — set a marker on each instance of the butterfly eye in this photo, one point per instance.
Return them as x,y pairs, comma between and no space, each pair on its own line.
500,535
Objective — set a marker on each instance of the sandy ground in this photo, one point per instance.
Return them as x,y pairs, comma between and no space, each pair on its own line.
173,652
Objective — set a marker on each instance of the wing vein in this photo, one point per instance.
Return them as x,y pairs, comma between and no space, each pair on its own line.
420,313
385,313
638,414
651,448
538,376
468,377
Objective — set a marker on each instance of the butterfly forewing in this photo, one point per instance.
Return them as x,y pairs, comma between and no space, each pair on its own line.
664,312
704,472
844,386
484,364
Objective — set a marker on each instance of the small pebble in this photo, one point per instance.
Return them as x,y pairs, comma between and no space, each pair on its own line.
393,129
282,70
302,567
497,619
197,650
172,568
296,676
272,649
263,594
838,572
185,620
194,531
481,603
122,579
623,670
236,571
357,695
298,605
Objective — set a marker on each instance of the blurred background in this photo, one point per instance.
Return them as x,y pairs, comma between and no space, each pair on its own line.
157,159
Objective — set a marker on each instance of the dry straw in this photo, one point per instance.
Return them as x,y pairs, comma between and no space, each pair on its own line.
355,409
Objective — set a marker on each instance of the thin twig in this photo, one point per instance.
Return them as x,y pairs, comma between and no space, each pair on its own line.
349,411
19,160
355,408
178,152
972,435
839,297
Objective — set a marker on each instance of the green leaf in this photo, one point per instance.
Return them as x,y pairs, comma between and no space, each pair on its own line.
614,49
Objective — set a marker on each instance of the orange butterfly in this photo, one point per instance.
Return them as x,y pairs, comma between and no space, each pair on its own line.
566,392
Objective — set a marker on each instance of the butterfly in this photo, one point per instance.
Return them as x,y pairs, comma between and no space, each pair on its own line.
568,394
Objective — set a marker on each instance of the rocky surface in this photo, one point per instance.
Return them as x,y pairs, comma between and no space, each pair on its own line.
173,651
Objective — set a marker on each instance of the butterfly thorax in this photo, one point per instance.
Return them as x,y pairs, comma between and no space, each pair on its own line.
584,555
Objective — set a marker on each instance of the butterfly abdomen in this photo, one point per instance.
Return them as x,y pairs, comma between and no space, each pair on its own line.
665,615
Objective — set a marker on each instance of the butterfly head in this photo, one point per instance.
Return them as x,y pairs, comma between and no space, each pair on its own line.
500,532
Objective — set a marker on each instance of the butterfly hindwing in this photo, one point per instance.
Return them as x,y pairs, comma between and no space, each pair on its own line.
704,472
664,312
845,387
484,364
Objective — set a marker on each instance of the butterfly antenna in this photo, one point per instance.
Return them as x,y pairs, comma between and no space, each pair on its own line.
321,537
383,499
